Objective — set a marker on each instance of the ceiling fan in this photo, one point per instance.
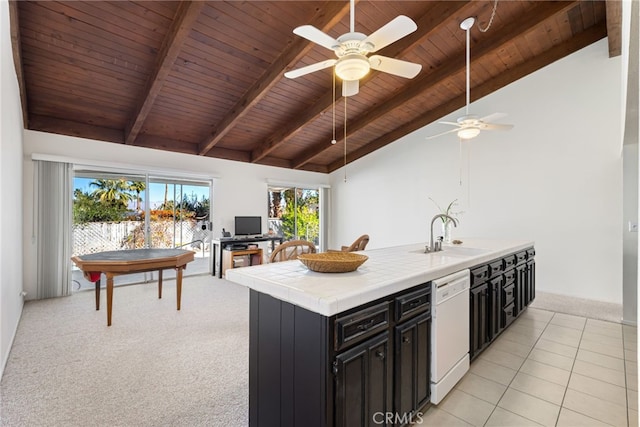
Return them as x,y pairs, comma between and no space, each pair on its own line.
470,125
352,49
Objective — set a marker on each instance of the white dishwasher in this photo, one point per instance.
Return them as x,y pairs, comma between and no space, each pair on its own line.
449,332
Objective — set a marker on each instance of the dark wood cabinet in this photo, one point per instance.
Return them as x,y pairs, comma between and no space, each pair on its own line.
500,291
495,306
478,318
412,371
530,290
355,369
363,382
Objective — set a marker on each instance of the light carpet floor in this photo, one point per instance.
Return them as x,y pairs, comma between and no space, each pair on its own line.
155,366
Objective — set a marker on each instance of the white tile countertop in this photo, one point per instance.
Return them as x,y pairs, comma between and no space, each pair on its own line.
387,271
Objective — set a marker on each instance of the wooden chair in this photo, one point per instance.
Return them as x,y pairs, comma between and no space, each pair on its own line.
358,245
291,249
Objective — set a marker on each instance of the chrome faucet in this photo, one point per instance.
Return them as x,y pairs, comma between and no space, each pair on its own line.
437,246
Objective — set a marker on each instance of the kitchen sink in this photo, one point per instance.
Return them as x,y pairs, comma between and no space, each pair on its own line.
463,251
456,251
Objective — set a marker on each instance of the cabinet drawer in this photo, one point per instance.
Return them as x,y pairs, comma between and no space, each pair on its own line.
521,257
509,277
531,253
508,294
479,275
413,303
508,314
495,268
509,262
355,327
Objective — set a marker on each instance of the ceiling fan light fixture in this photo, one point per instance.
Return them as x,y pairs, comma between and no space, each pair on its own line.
352,67
468,133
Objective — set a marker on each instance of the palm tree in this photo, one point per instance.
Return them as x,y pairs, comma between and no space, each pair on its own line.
138,187
112,191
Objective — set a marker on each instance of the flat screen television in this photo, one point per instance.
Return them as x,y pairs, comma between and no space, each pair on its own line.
248,226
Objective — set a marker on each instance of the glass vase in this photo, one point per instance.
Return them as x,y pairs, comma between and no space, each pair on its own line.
447,227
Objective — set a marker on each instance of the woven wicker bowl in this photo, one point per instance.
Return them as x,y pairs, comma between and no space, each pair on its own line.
332,262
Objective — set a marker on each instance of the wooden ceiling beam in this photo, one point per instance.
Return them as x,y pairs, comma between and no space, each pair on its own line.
16,48
427,82
326,17
433,19
186,14
73,128
614,26
579,41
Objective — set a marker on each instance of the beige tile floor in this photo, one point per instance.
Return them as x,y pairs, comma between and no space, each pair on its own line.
548,369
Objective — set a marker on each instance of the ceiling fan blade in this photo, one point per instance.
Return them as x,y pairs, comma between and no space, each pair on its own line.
310,68
317,36
494,126
350,87
443,133
392,31
493,117
450,123
394,66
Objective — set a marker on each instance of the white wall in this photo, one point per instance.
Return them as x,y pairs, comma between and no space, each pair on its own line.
239,188
630,83
556,178
11,301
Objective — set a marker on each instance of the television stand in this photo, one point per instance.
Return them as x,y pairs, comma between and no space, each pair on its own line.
219,245
241,258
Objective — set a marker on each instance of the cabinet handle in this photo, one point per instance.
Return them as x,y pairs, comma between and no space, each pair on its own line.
406,340
379,354
367,325
415,303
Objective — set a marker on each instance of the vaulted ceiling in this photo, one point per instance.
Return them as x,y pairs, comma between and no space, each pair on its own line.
206,78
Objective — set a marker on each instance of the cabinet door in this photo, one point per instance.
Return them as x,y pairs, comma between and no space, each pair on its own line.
478,318
531,281
363,383
495,307
521,286
412,367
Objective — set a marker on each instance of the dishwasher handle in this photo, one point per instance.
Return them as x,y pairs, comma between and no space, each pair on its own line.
462,274
452,283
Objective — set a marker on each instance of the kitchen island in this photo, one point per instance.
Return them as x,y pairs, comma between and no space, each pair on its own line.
327,349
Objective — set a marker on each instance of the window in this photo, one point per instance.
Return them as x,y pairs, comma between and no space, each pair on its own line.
295,213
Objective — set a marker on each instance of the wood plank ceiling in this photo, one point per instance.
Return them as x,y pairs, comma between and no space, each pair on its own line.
206,78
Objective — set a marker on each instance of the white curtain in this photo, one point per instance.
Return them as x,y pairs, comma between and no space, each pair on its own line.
53,192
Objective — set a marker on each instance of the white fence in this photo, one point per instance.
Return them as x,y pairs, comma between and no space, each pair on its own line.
111,236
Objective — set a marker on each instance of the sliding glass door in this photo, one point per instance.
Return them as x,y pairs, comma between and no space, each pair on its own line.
118,211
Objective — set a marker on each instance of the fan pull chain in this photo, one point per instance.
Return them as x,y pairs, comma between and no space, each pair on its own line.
333,141
493,14
345,138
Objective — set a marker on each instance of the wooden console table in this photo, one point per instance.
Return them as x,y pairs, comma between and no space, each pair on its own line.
115,263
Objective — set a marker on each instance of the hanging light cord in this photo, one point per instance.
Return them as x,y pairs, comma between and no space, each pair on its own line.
493,14
345,139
